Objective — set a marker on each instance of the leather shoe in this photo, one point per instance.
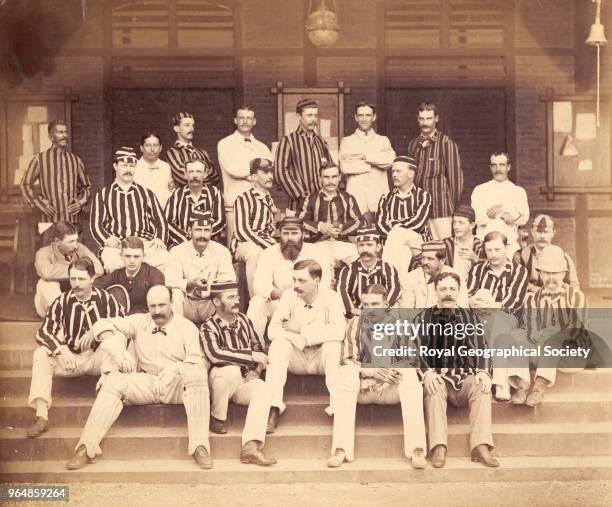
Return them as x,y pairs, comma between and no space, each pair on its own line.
273,420
482,454
534,398
250,453
520,395
38,427
337,459
202,458
418,459
438,456
217,426
79,460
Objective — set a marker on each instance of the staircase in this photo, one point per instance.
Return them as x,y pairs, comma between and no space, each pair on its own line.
568,438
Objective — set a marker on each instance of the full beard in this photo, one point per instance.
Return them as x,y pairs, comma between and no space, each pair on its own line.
291,250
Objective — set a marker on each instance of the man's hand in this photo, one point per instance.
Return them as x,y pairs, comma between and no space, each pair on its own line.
74,207
356,311
113,242
171,185
532,287
291,325
47,208
493,211
196,283
468,254
252,375
329,229
87,340
507,218
165,378
124,361
67,359
387,375
157,244
484,381
297,341
432,382
276,294
261,359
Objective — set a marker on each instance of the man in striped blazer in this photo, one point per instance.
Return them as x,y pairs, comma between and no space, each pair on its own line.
184,150
438,169
124,209
402,214
331,216
190,202
367,270
463,249
66,344
300,155
555,315
254,218
237,356
456,378
64,185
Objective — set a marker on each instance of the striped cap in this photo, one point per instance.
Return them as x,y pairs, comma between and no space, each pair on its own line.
291,223
543,223
465,210
125,154
203,219
223,286
262,164
434,246
367,233
176,119
304,103
407,160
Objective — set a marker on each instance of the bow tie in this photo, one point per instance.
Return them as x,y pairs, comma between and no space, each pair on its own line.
68,257
247,140
160,330
308,306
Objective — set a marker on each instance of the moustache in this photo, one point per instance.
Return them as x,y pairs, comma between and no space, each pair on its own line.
448,298
366,255
157,315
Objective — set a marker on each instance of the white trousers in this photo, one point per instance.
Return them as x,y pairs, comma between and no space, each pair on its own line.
441,227
249,253
323,359
229,220
227,384
260,312
396,252
111,257
46,293
45,367
367,188
197,311
339,251
189,387
350,390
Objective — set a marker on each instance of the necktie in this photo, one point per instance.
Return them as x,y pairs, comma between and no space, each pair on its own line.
160,330
308,306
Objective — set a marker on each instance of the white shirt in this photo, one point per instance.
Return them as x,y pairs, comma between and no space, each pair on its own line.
155,351
275,272
417,292
215,263
376,148
513,200
321,321
234,156
156,177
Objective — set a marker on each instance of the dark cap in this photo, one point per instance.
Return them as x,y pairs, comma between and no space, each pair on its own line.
291,223
465,210
203,219
367,233
407,160
176,119
304,103
223,286
260,164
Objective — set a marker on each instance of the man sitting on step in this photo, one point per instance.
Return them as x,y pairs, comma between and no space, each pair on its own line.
306,332
555,316
237,356
371,385
131,284
169,369
52,263
65,338
456,378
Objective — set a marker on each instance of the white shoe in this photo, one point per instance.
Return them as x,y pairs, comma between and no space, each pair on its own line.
502,393
418,460
337,459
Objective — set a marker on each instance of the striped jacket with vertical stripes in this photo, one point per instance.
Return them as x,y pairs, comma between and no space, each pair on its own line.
254,220
410,212
342,208
438,171
233,343
181,210
179,154
136,212
62,179
68,319
509,288
354,278
298,160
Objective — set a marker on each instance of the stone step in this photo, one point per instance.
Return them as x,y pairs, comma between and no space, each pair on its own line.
363,470
582,407
297,442
16,382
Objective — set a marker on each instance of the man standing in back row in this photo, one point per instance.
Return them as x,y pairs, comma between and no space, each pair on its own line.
300,156
438,169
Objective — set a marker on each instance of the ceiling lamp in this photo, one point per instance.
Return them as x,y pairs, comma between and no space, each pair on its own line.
597,38
322,24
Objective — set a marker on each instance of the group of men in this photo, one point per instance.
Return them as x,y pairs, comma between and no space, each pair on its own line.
156,310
